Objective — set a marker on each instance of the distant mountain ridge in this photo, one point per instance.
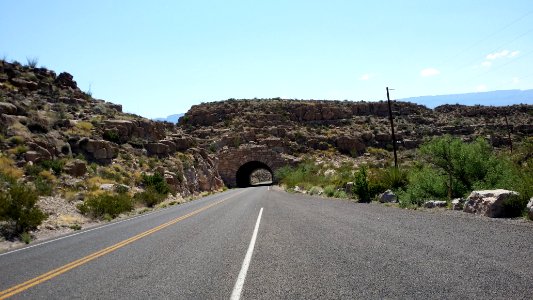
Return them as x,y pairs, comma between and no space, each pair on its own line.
172,118
494,98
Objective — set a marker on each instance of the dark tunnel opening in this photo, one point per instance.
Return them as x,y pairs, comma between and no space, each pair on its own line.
244,174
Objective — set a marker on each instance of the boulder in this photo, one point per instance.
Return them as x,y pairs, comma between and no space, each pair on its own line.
7,108
458,203
530,209
98,150
388,197
488,203
76,168
158,149
31,156
435,203
66,80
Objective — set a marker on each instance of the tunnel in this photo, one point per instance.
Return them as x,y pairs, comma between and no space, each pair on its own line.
244,173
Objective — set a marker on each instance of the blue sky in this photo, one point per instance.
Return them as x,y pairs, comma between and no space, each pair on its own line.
158,58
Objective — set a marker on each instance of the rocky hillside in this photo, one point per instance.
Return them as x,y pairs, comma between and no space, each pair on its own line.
296,127
69,145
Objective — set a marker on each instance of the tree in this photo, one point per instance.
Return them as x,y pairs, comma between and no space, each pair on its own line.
464,164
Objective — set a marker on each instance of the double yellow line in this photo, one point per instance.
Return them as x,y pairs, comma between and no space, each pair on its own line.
56,272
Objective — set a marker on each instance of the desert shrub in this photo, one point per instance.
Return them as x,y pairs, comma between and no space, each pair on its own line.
111,204
465,165
340,194
18,206
305,174
32,61
18,150
32,169
16,140
425,183
83,128
330,190
8,170
43,186
149,197
156,182
361,188
121,189
55,165
315,190
112,136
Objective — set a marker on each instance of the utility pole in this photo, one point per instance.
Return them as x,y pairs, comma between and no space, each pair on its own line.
392,129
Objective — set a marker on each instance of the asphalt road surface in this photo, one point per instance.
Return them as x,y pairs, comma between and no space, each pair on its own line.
296,247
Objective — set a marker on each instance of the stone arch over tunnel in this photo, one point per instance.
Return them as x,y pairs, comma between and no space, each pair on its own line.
247,158
243,175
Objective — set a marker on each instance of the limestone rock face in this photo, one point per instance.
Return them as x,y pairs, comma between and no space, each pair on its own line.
488,203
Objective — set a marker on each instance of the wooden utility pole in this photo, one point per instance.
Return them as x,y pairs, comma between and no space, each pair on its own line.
392,129
509,130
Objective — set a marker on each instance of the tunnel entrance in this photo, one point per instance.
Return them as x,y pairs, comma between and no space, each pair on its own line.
254,173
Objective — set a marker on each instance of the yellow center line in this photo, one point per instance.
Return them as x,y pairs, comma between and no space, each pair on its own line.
56,272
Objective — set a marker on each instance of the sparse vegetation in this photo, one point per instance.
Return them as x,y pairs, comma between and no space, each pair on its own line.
18,208
106,205
32,61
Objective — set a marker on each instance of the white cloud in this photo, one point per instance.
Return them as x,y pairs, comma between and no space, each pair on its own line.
365,77
516,80
502,54
429,72
486,64
481,88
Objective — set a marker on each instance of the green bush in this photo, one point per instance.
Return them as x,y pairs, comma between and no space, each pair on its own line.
305,174
43,186
149,197
340,194
156,182
17,205
112,136
361,188
330,190
106,204
425,183
55,165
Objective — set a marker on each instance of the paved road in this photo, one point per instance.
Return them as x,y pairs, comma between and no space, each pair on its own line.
305,248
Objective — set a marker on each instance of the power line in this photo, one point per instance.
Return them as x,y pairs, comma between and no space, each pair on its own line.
493,33
496,49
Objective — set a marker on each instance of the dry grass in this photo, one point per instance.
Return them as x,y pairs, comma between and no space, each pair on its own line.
8,168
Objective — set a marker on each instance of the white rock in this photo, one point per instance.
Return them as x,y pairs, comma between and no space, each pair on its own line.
458,203
488,203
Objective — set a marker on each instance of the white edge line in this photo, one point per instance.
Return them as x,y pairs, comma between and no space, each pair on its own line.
237,289
84,231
